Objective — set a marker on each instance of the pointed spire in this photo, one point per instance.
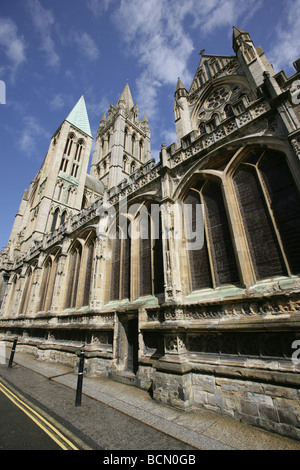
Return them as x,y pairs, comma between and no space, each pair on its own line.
78,117
180,89
237,33
179,85
126,97
103,120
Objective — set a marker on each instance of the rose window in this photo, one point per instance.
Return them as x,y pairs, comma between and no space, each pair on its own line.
217,98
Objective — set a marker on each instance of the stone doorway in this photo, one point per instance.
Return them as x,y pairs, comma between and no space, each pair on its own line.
128,344
133,347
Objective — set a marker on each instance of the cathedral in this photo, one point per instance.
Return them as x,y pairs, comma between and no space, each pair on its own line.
179,275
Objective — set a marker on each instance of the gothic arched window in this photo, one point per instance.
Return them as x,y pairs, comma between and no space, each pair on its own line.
73,280
145,260
78,152
47,286
270,206
124,164
89,259
80,271
151,277
115,268
133,138
222,256
126,138
120,266
141,148
228,111
198,259
67,153
77,159
212,264
63,217
285,204
54,219
60,190
27,290
13,291
202,128
69,195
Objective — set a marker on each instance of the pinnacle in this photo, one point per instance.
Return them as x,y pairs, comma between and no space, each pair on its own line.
127,97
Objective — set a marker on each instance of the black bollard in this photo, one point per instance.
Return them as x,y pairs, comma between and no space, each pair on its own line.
80,379
12,353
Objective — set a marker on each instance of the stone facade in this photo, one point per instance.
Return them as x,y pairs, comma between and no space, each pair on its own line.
213,325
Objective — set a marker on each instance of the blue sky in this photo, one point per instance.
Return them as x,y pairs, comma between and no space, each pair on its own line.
53,51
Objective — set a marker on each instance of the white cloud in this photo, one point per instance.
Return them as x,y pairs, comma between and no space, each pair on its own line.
31,136
154,35
44,21
286,43
13,44
98,7
148,88
170,136
157,37
87,46
58,101
96,107
214,14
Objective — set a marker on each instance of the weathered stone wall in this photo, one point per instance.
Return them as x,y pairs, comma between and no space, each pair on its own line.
263,404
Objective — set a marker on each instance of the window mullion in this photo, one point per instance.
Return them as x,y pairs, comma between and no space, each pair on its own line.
208,241
270,211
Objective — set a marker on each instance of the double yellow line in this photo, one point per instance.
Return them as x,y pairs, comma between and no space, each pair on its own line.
57,435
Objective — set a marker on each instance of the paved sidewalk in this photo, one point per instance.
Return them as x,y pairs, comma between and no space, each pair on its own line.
201,429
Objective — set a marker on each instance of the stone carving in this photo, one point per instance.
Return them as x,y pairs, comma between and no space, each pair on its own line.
296,145
217,98
222,131
253,307
174,343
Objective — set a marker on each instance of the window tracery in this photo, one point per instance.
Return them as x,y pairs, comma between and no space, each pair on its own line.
269,203
217,98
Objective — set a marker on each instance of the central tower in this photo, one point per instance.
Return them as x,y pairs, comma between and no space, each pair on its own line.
122,143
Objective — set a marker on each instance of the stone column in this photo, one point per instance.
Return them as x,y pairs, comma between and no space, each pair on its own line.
170,252
172,382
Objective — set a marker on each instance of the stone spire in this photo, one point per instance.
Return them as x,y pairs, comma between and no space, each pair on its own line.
103,120
126,98
78,117
239,34
180,89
